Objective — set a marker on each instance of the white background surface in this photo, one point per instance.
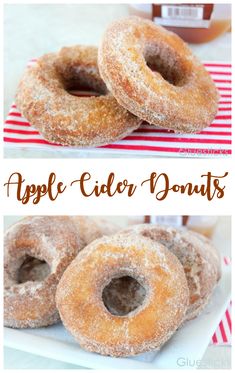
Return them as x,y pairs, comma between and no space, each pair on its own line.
32,30
215,356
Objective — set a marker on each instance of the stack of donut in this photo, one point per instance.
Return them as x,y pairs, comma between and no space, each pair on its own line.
119,293
140,71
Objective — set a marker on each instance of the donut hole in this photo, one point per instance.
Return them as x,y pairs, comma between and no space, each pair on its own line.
83,82
33,269
123,295
169,67
83,92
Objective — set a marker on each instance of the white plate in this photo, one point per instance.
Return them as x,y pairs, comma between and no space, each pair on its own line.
188,343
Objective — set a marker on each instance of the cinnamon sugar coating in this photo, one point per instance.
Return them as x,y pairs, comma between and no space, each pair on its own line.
50,239
179,94
79,295
200,260
43,99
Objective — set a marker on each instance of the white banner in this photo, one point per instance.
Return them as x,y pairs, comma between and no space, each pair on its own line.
117,186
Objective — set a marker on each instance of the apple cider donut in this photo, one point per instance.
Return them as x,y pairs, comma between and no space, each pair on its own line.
48,242
179,94
152,323
198,256
44,100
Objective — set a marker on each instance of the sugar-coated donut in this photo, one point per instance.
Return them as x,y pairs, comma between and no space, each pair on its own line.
198,256
89,228
82,310
178,95
43,99
29,297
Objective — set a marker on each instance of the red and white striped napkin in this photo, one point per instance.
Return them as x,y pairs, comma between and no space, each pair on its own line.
148,140
223,333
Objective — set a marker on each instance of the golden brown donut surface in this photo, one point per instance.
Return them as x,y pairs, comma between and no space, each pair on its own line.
146,328
178,95
198,256
48,242
43,99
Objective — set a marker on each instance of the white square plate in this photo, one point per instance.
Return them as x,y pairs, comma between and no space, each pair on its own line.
188,343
